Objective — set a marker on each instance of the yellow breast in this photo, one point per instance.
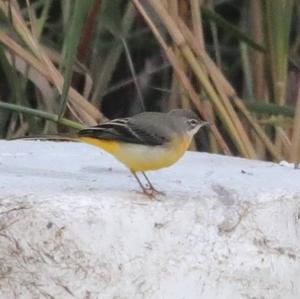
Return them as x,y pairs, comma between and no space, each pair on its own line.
138,157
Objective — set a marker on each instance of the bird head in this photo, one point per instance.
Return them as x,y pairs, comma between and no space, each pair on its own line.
189,121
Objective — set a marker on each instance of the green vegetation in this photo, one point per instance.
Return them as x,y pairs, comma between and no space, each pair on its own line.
66,64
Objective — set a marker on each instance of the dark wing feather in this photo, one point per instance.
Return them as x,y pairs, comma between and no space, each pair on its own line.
124,130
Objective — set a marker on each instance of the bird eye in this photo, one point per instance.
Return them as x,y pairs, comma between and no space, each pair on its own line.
193,122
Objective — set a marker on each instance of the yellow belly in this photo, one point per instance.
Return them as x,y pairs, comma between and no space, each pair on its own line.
139,157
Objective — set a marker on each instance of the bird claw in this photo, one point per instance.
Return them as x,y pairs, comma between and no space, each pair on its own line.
151,192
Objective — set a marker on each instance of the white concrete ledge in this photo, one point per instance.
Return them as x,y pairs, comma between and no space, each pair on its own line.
73,226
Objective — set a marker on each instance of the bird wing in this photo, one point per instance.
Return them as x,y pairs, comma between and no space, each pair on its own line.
127,130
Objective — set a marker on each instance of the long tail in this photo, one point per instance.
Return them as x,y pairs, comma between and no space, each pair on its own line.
49,137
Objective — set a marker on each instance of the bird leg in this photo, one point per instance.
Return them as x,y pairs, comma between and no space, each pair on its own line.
150,191
146,191
151,187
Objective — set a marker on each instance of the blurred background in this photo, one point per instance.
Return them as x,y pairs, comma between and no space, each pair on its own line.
69,64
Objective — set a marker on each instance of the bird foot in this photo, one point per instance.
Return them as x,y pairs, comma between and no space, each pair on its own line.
152,192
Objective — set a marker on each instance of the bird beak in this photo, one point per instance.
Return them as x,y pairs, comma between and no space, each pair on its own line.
204,124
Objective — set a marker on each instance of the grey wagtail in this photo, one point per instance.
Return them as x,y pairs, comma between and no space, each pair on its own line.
146,141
